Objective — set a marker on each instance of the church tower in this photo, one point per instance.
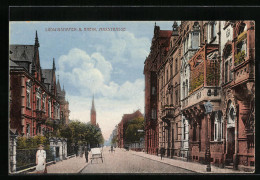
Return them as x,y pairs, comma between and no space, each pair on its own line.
93,113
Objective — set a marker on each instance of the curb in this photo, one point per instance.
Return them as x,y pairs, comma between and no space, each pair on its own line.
200,172
81,169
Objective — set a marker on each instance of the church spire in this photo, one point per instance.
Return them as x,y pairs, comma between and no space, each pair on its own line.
53,65
93,113
36,40
93,104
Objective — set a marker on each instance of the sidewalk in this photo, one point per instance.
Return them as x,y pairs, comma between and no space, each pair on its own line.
192,166
72,165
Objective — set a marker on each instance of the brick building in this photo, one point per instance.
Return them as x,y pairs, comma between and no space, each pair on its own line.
121,128
205,64
159,48
35,106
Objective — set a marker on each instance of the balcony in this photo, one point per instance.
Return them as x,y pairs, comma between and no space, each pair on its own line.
204,76
167,113
40,116
205,68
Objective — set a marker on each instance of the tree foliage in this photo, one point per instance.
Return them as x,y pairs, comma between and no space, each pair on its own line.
80,133
131,134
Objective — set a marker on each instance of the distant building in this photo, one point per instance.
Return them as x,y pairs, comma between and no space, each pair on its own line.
64,105
123,125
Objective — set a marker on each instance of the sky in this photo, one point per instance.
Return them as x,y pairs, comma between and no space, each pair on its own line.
106,64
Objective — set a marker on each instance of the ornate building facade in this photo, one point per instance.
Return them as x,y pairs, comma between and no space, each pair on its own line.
159,49
35,106
204,74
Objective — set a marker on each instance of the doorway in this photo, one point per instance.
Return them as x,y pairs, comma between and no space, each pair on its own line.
230,144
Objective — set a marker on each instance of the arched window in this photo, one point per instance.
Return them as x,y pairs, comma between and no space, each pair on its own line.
218,126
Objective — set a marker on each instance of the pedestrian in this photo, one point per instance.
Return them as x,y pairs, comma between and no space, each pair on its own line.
41,160
76,150
86,154
162,151
111,149
81,151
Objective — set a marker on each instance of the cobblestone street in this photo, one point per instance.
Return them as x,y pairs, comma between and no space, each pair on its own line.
125,162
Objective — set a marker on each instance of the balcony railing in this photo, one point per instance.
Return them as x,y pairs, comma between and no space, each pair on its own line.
168,113
40,115
205,71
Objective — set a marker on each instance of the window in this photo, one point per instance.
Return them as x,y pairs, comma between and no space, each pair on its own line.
43,103
184,129
28,99
218,127
230,72
49,108
213,27
28,93
153,90
38,101
153,114
38,130
228,64
176,97
28,130
176,66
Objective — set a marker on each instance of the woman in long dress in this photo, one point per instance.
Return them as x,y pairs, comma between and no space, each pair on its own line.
40,159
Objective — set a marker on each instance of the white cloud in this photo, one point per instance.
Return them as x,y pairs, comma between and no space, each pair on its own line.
126,48
90,74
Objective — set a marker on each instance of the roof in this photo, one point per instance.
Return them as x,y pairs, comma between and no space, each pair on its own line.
129,117
12,64
165,33
47,74
58,87
21,52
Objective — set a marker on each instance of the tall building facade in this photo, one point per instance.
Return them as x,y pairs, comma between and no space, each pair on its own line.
159,48
34,105
205,95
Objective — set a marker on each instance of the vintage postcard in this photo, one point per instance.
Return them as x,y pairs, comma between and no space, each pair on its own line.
90,97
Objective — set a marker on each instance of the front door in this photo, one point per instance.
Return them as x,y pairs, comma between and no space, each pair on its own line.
230,143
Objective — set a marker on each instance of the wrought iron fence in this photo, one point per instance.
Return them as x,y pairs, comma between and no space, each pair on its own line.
26,158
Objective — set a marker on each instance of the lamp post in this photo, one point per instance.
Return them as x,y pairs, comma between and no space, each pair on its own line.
208,107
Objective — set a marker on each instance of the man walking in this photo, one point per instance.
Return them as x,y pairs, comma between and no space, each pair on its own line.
162,151
86,154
